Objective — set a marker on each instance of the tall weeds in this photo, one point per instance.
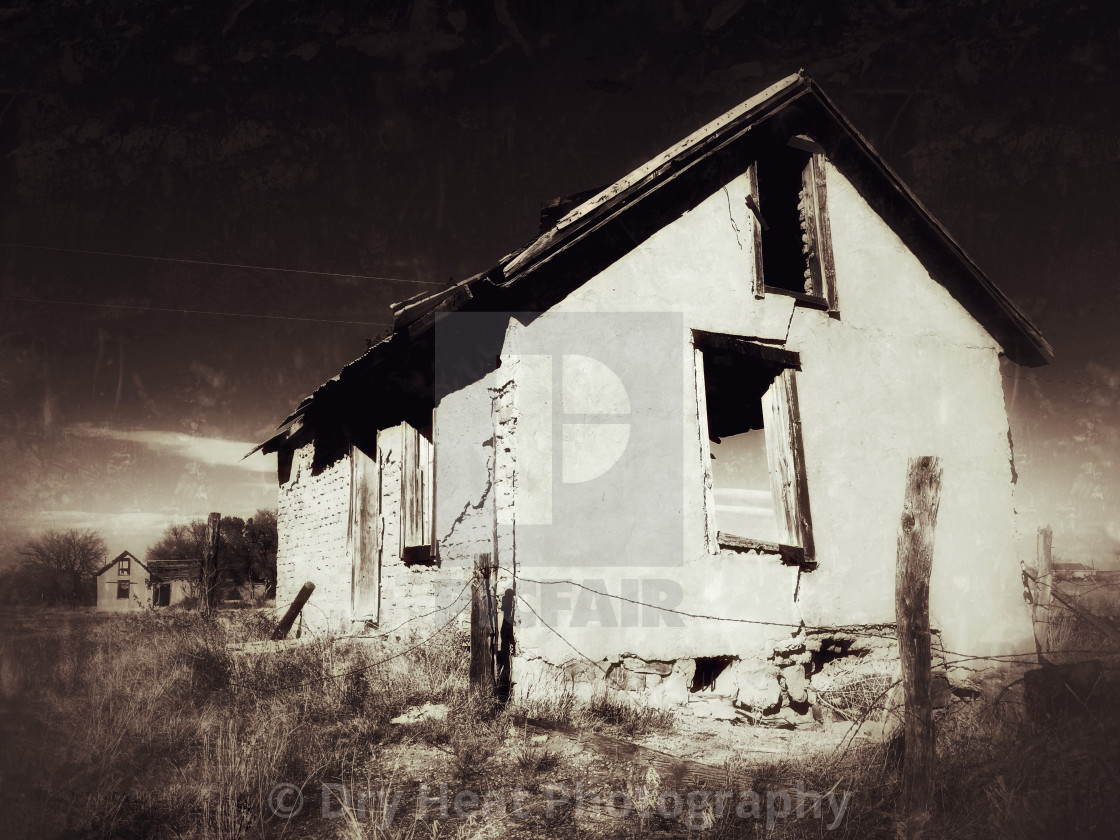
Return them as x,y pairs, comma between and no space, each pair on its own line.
150,725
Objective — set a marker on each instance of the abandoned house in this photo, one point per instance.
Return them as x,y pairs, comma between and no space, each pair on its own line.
122,584
676,426
126,584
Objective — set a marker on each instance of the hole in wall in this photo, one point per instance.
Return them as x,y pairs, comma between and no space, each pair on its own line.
833,649
708,669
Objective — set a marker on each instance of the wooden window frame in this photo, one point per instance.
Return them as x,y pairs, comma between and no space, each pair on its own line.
365,535
367,523
418,522
815,228
124,590
782,429
124,568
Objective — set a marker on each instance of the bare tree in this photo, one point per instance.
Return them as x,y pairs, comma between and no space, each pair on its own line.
62,560
260,546
246,548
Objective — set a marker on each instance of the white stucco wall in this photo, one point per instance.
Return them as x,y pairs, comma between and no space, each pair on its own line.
312,520
139,597
904,371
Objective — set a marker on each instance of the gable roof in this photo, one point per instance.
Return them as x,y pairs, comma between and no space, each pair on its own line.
612,222
122,556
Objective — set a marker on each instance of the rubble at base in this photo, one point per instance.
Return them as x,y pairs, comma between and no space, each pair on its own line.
811,680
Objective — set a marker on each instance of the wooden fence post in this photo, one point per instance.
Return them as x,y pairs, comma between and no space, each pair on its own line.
289,618
1044,581
483,628
210,563
911,593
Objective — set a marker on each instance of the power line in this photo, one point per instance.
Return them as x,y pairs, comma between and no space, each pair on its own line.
213,263
193,311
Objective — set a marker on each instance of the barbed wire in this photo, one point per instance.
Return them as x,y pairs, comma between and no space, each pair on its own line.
369,666
860,629
561,635
867,630
433,612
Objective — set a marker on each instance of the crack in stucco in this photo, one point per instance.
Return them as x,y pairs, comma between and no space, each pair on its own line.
469,506
789,323
731,217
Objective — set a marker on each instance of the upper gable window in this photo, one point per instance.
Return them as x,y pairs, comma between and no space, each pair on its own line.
792,243
125,567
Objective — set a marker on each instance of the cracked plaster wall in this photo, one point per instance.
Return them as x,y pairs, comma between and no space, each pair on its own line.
903,371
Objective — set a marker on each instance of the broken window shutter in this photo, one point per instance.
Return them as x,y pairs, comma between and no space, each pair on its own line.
412,511
820,271
425,488
758,281
417,489
786,462
430,490
705,454
365,532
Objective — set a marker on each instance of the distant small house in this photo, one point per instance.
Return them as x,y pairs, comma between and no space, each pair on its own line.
122,585
126,584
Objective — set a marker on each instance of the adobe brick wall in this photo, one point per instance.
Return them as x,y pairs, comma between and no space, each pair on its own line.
313,516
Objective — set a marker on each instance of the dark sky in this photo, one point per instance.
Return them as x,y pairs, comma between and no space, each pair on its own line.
415,141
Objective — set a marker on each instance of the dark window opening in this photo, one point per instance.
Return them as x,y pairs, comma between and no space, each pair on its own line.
708,669
741,486
162,595
419,555
734,388
754,459
782,200
122,590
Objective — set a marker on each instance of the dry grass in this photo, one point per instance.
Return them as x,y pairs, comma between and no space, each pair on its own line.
148,726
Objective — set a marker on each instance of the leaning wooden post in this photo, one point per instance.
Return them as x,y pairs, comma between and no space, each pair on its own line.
281,631
210,563
1043,597
911,600
482,623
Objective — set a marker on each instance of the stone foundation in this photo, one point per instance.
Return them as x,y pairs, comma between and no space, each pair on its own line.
810,679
